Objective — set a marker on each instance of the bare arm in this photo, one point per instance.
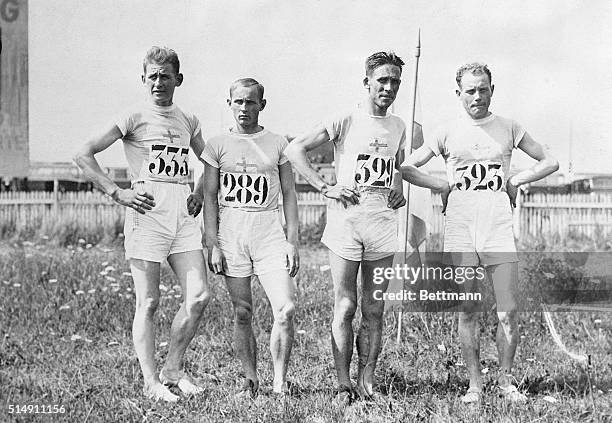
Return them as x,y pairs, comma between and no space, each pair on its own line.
290,209
546,164
396,197
195,199
296,152
86,161
216,261
413,175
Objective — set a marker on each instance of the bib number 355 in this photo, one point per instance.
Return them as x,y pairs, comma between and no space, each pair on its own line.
168,161
245,189
477,176
375,171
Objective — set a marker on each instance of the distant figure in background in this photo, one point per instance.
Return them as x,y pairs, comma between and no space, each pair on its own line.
361,228
244,235
160,216
477,149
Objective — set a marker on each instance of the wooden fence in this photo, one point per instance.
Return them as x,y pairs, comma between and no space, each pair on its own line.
537,214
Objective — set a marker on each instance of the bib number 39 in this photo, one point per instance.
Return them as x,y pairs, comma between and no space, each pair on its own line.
245,189
374,171
479,176
168,161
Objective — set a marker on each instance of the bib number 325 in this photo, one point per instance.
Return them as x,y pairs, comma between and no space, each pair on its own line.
245,189
374,171
168,161
480,176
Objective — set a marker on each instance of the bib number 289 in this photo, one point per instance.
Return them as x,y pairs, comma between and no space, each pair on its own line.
245,188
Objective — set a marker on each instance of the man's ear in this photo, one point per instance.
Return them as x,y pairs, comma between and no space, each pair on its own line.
179,79
366,83
492,89
262,104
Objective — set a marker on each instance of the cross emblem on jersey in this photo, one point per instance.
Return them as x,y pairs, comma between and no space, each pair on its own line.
170,136
244,165
377,144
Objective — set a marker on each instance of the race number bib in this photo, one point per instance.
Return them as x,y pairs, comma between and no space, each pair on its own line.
485,175
372,170
167,161
245,189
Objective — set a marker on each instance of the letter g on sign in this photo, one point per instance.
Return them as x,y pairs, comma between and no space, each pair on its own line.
9,10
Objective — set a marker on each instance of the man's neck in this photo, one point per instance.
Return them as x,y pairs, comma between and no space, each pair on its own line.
251,129
375,110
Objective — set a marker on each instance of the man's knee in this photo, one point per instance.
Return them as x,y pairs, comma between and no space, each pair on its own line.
345,309
147,305
285,315
507,318
197,303
243,313
372,312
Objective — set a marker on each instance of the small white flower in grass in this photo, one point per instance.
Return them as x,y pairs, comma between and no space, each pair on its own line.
549,399
163,344
16,285
89,341
104,289
597,321
531,360
549,275
103,273
128,289
76,337
88,246
120,295
441,348
324,268
126,274
485,371
301,332
113,343
109,269
52,280
81,241
177,296
45,237
105,263
114,285
6,282
79,292
110,278
91,291
64,307
163,288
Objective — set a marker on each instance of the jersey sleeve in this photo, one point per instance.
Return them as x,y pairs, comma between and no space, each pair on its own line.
402,143
437,141
338,127
282,145
518,132
212,153
125,123
195,126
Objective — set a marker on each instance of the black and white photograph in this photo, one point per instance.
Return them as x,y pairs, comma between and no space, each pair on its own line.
305,211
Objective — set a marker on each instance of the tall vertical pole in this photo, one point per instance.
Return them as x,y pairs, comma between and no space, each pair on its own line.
417,55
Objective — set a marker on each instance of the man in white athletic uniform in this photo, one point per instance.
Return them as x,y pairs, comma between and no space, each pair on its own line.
361,225
477,148
245,170
160,216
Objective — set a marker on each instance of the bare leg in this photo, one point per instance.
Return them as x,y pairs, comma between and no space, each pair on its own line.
344,276
504,278
146,287
189,267
370,331
246,348
280,289
469,336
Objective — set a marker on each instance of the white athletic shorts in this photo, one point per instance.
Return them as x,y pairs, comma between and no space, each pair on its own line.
478,229
253,242
167,229
364,231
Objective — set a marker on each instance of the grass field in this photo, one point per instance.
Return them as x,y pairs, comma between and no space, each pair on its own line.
65,319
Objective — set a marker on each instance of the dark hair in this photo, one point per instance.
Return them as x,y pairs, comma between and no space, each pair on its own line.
382,58
247,82
161,56
475,68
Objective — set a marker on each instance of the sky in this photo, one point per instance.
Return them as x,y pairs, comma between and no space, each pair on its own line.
550,61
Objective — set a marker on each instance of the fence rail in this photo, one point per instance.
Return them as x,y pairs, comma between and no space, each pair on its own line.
536,214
